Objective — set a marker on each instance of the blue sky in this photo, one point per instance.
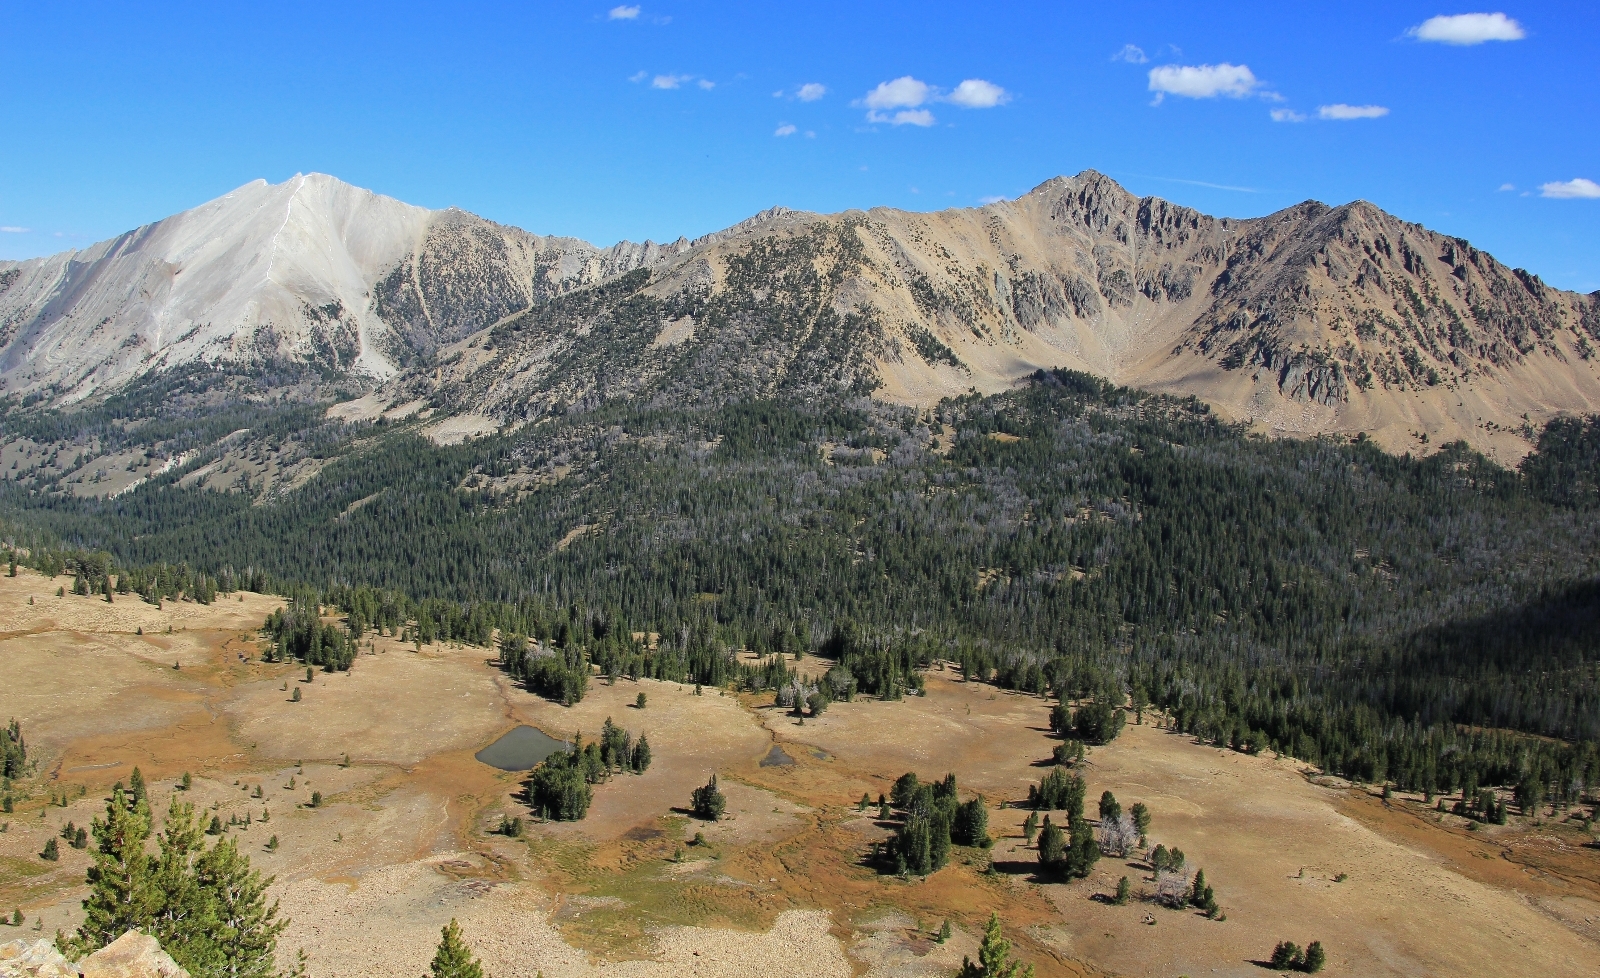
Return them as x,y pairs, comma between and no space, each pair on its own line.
664,118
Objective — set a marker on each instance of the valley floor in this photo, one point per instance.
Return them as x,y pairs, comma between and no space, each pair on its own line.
402,842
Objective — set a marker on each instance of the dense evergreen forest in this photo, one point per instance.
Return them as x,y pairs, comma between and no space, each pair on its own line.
1426,621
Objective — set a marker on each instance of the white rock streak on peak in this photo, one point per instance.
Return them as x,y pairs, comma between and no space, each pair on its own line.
288,211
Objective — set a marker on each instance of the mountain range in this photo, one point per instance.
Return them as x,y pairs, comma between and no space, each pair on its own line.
1311,320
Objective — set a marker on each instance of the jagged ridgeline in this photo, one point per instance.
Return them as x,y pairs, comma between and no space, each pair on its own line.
1414,618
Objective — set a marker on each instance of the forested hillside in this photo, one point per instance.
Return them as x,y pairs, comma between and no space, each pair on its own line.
1386,617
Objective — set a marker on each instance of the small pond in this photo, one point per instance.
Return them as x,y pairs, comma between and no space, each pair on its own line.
777,757
520,749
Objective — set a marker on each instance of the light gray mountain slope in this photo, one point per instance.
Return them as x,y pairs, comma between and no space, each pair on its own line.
311,270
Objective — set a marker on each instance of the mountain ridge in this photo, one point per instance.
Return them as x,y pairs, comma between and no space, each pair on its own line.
1315,319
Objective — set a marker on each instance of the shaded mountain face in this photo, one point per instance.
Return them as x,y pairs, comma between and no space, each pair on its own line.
1311,320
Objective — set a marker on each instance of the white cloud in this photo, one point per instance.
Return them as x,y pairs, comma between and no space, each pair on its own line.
669,81
1133,54
905,117
1287,115
991,200
624,12
811,91
810,134
14,230
1465,29
903,92
1576,189
975,93
1202,81
638,76
785,130
1343,113
1506,186
706,84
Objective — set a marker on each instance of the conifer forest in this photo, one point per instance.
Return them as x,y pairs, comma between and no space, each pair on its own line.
1429,621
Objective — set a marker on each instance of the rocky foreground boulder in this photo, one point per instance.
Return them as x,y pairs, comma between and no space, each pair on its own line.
133,955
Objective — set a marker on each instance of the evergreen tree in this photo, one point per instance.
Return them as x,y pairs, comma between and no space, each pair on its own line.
454,959
971,824
182,917
1316,957
994,957
243,933
1052,846
1288,956
708,802
1141,820
121,896
1083,851
641,755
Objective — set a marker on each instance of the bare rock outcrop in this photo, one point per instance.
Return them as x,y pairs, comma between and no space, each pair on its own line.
133,955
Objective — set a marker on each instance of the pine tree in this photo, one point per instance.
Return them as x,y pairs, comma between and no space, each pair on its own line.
52,852
994,957
136,788
641,755
1316,957
1124,891
708,802
244,929
1141,820
121,894
454,959
1109,807
182,918
1052,846
1287,955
